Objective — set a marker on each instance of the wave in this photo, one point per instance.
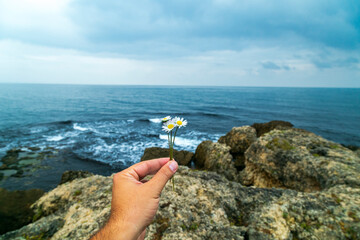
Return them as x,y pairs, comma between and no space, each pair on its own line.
55,138
59,137
77,127
183,142
155,120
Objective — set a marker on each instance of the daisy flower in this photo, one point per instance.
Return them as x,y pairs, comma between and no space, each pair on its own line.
180,122
165,119
168,126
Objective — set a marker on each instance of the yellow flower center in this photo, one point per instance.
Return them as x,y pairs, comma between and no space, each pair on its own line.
170,126
179,123
165,118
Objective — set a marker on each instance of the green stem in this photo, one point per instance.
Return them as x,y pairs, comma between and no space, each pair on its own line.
169,142
173,140
171,147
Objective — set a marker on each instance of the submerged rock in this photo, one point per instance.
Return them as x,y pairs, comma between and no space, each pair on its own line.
299,160
15,209
24,161
215,157
262,128
182,157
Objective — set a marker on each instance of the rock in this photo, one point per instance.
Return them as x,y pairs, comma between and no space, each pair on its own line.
357,152
299,160
215,157
239,139
69,176
182,157
355,149
15,209
262,128
204,205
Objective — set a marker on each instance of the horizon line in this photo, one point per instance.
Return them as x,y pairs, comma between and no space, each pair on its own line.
162,85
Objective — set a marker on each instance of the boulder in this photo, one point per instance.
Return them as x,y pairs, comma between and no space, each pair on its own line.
15,209
182,157
69,176
215,157
299,160
239,139
262,128
204,205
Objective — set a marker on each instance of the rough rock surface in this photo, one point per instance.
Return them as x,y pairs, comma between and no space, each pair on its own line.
239,139
215,157
299,160
15,209
262,128
205,205
182,157
69,176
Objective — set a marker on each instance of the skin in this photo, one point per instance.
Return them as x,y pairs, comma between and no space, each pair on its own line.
135,201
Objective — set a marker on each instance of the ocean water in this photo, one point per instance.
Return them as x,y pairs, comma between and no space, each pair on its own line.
114,124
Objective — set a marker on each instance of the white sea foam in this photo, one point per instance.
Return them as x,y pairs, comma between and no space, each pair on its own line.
55,138
37,129
183,142
60,137
77,127
155,120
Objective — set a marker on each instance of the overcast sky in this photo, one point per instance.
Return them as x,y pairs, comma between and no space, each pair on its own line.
187,42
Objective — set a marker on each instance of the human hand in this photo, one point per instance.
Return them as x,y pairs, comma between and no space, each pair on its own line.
134,201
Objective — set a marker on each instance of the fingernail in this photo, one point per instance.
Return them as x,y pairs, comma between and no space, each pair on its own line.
173,166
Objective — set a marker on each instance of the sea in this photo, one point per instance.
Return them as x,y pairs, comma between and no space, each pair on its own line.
112,125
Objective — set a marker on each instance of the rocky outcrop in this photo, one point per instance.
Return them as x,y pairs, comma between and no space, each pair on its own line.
299,186
182,157
262,128
299,160
204,205
215,157
239,140
15,209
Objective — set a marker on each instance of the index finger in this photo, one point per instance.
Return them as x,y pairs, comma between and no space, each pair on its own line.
148,167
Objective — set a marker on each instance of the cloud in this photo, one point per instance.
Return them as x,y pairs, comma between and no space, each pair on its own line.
173,27
220,25
207,42
349,62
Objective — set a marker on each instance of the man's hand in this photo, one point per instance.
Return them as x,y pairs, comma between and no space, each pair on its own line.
135,201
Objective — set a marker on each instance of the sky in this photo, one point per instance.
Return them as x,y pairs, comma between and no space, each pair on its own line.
298,43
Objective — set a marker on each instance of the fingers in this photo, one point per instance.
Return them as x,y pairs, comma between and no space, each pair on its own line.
157,183
145,168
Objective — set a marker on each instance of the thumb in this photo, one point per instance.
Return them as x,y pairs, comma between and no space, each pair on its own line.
157,183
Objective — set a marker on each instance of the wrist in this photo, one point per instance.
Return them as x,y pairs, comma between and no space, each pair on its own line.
116,231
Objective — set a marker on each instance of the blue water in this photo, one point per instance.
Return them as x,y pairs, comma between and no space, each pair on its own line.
114,124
